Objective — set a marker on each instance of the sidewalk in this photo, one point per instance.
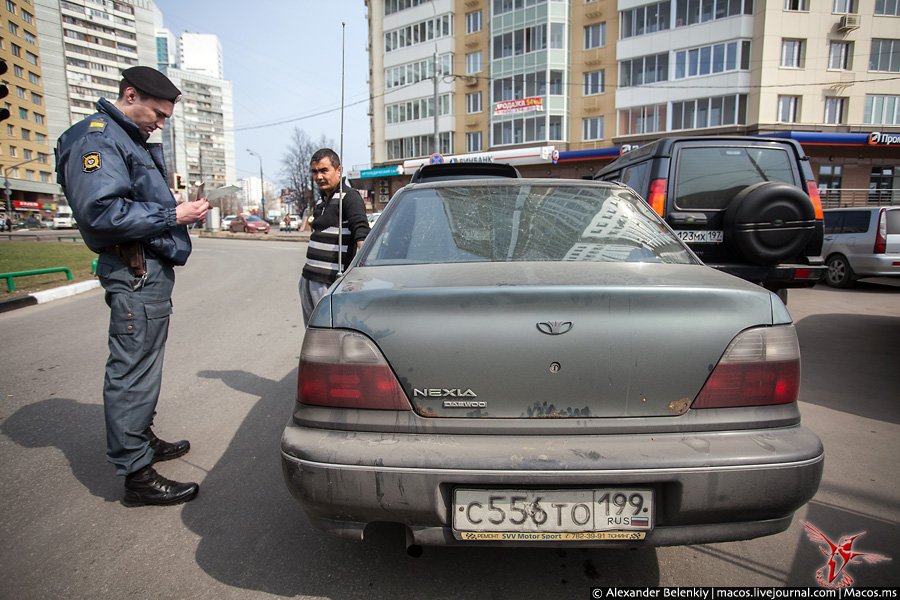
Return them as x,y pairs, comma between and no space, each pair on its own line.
48,295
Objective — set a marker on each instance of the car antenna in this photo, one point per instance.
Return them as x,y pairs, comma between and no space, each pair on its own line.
341,182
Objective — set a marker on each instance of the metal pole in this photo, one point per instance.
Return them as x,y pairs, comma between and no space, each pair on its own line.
437,135
262,190
341,181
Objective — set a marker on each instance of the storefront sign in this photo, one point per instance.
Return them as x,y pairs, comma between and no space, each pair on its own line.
520,105
519,156
26,205
877,138
381,172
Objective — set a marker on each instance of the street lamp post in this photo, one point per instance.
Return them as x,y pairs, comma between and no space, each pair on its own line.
6,170
262,191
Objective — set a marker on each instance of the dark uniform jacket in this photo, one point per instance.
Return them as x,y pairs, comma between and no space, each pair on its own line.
116,185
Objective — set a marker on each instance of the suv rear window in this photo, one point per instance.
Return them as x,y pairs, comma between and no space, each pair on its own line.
708,178
893,222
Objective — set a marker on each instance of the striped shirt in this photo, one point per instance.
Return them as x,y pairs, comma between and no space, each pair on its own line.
322,253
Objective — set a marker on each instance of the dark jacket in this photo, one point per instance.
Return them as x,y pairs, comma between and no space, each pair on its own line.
116,185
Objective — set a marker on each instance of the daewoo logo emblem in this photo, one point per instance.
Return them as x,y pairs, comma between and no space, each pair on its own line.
555,327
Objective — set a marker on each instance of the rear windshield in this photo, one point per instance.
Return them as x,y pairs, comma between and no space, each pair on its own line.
893,222
708,178
493,222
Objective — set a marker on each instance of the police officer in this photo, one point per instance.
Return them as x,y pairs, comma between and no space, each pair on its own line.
116,185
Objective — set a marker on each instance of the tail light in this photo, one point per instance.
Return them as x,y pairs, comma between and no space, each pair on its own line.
346,370
816,199
761,366
881,233
657,198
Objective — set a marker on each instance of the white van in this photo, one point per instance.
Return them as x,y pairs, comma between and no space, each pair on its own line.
63,218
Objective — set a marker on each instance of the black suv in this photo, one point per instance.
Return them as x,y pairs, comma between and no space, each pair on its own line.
748,206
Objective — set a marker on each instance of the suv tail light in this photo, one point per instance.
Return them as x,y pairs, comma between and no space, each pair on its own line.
813,191
346,370
657,200
761,366
881,233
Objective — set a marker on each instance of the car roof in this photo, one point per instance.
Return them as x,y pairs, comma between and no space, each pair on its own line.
446,171
506,182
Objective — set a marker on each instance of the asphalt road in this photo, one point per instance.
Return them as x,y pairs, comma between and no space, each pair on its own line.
229,386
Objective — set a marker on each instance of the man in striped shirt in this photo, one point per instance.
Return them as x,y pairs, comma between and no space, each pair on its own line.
321,268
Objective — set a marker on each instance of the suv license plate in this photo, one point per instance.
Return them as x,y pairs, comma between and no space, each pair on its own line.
693,236
552,515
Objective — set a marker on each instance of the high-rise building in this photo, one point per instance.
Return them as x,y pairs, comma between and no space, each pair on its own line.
201,53
86,45
25,152
562,86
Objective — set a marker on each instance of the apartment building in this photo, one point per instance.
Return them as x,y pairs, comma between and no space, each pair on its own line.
570,84
25,152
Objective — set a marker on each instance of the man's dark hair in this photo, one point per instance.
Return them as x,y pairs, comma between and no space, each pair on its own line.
123,85
328,153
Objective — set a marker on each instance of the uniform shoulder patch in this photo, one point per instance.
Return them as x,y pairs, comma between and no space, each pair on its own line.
90,162
98,124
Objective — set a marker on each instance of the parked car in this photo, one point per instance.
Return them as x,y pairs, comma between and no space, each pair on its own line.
249,224
747,206
861,242
226,222
542,361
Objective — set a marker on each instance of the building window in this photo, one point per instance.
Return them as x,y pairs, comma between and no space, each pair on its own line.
839,54
505,6
419,70
717,111
19,71
33,78
788,109
26,134
525,129
642,119
31,57
418,145
10,7
592,129
881,184
13,28
887,8
835,110
29,174
473,141
691,12
796,5
830,182
593,83
16,50
40,138
644,69
419,108
27,154
473,22
29,37
473,62
523,85
843,7
38,119
45,177
885,55
718,58
392,6
595,36
13,152
644,19
23,114
520,41
473,102
882,110
417,33
27,17
557,85
792,54
21,92
36,98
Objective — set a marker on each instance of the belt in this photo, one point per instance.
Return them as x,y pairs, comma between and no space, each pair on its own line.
132,254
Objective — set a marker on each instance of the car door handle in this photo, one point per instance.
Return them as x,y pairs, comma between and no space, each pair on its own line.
680,218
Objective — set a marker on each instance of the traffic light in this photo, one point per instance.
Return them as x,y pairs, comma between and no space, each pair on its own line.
4,91
179,182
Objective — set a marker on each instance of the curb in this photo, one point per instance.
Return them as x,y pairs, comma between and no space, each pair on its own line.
48,295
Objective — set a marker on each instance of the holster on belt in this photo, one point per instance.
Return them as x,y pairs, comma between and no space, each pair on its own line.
132,254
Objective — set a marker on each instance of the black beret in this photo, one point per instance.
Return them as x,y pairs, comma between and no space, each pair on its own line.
152,83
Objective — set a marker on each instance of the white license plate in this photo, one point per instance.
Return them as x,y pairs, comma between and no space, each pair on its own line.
693,236
549,515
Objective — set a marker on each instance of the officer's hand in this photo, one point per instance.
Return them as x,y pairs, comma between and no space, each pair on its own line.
191,212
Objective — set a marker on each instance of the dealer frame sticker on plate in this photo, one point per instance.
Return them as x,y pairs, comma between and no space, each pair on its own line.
552,515
701,236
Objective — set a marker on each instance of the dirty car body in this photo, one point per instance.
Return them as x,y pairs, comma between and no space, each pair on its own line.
544,362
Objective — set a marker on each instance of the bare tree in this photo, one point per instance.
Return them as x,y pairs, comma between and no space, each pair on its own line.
295,166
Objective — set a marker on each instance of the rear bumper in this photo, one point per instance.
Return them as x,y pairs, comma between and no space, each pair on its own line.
709,487
871,265
782,276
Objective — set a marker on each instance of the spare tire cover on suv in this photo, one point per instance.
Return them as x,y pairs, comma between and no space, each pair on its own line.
768,222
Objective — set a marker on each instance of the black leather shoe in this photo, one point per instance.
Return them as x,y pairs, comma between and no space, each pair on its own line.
149,487
163,450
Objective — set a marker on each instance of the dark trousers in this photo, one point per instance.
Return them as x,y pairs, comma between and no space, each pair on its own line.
138,327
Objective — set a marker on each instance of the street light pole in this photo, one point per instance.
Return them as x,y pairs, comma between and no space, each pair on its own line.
262,191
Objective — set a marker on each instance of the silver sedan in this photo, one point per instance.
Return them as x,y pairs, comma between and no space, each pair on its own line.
543,362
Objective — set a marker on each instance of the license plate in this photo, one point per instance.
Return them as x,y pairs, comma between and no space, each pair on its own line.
552,515
693,236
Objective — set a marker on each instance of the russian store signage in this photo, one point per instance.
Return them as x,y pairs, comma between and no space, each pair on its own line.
381,172
521,105
519,156
27,204
877,138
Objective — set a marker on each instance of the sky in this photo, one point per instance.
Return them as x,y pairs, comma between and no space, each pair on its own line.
283,58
